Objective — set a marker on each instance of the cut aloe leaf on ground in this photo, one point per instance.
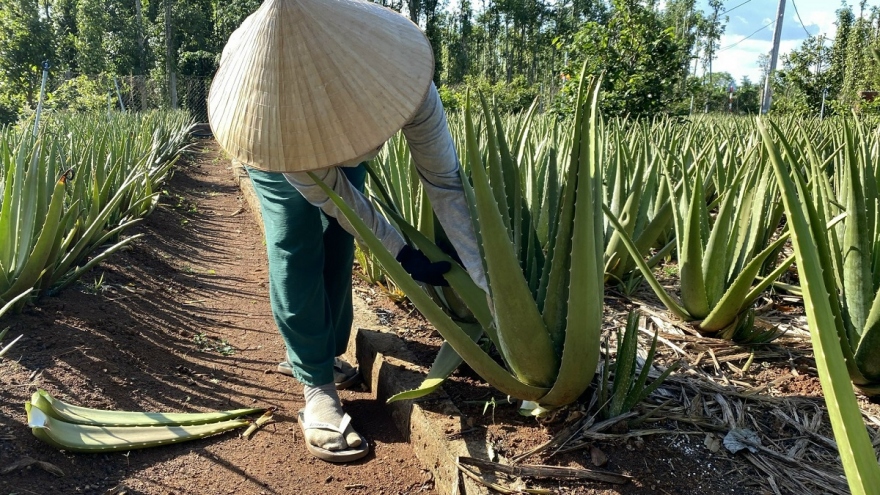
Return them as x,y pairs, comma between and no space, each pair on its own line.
445,363
72,437
68,413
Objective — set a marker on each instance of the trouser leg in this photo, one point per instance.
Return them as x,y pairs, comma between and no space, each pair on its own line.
309,310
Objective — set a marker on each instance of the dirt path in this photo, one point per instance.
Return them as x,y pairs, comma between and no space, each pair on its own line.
182,322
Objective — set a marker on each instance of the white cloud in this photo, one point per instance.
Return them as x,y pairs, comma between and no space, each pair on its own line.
742,60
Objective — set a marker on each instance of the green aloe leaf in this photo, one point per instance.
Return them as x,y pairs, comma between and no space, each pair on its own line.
521,330
445,363
580,354
693,285
854,444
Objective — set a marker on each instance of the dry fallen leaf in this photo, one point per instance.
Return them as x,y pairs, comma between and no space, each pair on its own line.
598,457
30,461
712,442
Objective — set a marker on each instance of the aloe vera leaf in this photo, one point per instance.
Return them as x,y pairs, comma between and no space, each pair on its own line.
667,301
27,219
476,358
512,183
625,368
734,299
524,338
425,214
554,293
857,277
867,353
78,271
445,363
717,250
72,256
584,320
770,279
495,169
5,349
854,445
62,411
9,212
693,285
39,256
522,134
94,439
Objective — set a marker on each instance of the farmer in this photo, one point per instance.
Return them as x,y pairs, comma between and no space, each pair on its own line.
320,85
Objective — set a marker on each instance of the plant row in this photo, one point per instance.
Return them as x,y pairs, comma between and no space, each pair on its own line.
68,194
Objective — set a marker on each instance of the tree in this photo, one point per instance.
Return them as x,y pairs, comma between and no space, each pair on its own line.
25,42
638,55
807,69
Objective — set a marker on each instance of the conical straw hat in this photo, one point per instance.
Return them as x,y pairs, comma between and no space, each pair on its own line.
308,84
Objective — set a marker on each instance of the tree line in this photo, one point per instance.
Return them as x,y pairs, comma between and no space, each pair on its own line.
654,59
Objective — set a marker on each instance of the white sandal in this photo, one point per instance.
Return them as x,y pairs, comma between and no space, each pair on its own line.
348,455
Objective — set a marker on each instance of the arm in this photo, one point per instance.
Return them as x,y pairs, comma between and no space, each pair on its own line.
413,261
436,160
337,181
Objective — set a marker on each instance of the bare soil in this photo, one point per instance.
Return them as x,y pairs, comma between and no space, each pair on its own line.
181,322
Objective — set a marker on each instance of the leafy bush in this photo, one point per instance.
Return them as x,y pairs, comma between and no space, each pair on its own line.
8,111
80,94
515,96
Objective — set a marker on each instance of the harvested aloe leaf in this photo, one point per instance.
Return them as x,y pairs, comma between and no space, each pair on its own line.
256,425
90,438
68,413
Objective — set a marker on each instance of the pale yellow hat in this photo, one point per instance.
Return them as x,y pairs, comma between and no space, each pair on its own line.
308,84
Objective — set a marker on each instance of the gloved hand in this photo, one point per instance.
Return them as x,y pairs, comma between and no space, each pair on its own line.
421,268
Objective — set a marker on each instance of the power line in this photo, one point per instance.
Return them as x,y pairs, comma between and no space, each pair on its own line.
765,26
738,6
800,20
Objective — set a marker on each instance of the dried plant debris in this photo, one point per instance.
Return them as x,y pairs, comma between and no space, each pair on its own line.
783,442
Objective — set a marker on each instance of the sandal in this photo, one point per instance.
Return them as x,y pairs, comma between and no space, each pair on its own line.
348,455
344,375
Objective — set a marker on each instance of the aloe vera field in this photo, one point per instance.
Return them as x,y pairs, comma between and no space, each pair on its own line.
721,336
681,260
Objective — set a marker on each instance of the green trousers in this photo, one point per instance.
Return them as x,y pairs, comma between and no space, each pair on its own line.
310,260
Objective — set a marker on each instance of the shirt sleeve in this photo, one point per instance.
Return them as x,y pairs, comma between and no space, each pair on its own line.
340,184
435,158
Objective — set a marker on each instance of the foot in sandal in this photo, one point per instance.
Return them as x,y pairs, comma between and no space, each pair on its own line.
327,429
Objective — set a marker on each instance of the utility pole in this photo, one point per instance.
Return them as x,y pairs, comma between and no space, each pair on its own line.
141,77
169,54
774,55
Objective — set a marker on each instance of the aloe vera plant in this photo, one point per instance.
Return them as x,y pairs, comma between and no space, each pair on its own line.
839,356
719,260
639,198
628,388
547,312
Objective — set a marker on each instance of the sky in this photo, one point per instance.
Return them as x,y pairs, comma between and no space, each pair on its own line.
741,45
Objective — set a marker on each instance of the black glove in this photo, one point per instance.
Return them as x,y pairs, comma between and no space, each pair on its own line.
421,268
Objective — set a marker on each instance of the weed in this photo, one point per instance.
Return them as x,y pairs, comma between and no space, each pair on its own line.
208,344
